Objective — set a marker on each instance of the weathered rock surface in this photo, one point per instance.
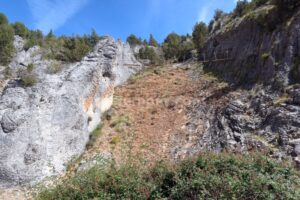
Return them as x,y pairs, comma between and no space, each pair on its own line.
249,50
46,125
265,58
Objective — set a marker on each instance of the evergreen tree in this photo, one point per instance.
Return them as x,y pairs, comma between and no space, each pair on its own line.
152,41
200,33
171,46
94,38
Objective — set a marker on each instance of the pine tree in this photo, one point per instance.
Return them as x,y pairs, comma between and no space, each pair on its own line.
152,41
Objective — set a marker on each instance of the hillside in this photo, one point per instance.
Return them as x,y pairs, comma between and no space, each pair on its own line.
212,115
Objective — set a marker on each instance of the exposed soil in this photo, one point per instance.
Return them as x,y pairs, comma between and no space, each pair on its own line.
150,117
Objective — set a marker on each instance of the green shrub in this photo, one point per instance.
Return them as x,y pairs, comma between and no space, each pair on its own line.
242,7
209,176
28,80
258,3
30,67
171,46
152,41
185,50
93,137
20,29
6,43
133,40
74,49
218,14
3,19
149,53
200,33
34,38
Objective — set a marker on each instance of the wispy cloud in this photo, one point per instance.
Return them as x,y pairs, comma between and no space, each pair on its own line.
52,14
206,10
203,15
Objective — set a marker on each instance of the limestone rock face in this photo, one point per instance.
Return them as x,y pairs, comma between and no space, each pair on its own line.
262,60
44,126
247,51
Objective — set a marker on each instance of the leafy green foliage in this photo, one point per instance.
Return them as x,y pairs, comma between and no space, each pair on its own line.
21,30
133,40
3,19
200,33
74,49
30,67
149,53
34,38
210,176
171,45
242,7
6,43
70,49
178,47
28,80
93,137
185,48
218,14
258,3
152,41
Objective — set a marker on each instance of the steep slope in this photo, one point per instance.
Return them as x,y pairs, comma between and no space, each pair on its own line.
45,125
259,52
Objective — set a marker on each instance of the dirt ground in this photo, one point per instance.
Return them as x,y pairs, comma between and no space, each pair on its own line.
146,114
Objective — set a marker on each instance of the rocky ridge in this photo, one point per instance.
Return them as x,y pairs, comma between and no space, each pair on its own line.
261,61
46,125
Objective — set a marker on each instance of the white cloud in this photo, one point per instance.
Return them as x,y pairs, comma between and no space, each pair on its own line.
203,15
52,14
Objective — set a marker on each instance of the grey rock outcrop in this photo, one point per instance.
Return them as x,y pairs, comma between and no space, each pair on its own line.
44,126
260,61
248,50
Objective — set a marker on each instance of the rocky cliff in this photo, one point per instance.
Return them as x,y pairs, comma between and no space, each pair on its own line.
258,55
45,125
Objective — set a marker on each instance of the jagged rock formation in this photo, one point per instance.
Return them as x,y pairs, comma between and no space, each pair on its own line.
44,126
264,59
258,47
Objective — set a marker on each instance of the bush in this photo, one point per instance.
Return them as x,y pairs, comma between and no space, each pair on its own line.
149,53
171,46
34,38
218,14
185,49
152,41
209,176
3,19
133,40
28,80
6,43
20,29
74,49
258,3
242,7
30,67
200,33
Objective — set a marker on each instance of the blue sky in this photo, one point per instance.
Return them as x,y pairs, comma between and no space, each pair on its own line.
117,18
